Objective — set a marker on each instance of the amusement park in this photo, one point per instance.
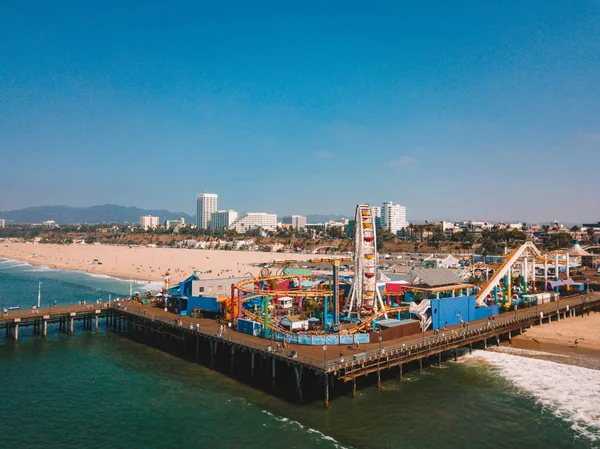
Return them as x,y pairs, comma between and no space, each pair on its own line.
298,306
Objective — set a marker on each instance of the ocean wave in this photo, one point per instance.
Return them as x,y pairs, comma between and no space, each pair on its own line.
294,423
570,392
519,351
37,269
13,263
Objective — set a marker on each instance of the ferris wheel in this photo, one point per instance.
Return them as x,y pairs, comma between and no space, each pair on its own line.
363,297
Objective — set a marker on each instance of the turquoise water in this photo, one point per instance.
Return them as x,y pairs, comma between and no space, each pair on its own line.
103,390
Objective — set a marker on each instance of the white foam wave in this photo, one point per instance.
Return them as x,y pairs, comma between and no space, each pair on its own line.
13,263
137,283
519,351
37,269
570,392
308,429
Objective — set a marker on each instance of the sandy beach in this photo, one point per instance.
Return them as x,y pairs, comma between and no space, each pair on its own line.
560,336
142,262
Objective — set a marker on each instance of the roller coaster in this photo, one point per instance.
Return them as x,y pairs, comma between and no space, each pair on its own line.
363,305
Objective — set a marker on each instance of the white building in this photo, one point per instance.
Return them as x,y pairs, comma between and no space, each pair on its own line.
223,219
2,223
206,205
173,223
294,221
376,211
254,220
148,221
394,217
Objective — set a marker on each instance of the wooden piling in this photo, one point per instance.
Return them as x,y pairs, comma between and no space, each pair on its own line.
273,372
326,382
298,375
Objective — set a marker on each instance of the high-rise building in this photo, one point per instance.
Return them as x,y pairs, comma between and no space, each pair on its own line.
394,217
2,223
148,221
223,219
294,221
376,211
254,220
206,204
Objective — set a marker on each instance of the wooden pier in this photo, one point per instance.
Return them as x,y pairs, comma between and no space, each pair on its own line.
296,372
64,316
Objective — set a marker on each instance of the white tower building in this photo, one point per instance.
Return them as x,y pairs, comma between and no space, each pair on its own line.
206,204
394,217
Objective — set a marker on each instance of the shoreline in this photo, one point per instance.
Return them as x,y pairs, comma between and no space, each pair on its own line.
120,277
144,263
559,336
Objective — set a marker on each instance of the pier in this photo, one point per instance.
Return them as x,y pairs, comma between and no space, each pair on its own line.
64,316
297,372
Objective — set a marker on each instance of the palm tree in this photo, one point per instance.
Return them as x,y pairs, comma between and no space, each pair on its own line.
590,232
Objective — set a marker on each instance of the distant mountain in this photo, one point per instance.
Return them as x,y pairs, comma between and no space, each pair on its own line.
317,218
107,213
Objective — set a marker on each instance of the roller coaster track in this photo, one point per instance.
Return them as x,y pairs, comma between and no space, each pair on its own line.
510,260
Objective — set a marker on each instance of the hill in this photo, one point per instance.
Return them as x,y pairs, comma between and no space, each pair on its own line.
107,213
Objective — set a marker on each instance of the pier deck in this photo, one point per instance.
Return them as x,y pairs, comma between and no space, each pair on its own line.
198,338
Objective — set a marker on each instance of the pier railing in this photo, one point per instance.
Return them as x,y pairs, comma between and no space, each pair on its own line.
418,344
230,336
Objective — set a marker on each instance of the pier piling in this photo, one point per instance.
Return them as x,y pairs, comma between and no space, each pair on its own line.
298,375
326,403
273,372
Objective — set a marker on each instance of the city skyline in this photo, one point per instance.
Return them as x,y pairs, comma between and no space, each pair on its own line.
488,111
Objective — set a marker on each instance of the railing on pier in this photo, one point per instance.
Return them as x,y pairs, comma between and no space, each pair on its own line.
231,337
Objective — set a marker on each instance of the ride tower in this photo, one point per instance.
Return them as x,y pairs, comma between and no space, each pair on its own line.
364,300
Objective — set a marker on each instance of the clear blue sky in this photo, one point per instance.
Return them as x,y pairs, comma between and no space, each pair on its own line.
457,109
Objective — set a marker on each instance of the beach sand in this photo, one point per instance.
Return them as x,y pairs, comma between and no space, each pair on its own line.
560,336
142,262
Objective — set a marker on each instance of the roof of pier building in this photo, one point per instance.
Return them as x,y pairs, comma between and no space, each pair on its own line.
434,277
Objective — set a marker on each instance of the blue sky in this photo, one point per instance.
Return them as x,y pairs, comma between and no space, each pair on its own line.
456,109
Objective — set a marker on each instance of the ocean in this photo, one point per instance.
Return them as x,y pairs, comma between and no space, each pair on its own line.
103,390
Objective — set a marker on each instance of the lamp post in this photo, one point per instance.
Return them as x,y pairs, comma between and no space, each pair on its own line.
324,356
380,340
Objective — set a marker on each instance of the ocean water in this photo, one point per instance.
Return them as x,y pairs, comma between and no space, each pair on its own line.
103,390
